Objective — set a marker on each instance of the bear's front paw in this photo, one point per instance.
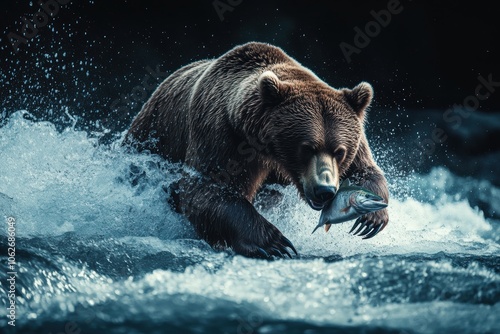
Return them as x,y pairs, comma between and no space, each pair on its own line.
265,241
371,224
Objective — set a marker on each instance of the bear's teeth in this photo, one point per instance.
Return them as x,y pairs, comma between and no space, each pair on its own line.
327,227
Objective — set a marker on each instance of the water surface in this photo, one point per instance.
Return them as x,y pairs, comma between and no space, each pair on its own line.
100,251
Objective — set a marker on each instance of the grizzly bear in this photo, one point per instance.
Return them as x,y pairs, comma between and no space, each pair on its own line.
253,114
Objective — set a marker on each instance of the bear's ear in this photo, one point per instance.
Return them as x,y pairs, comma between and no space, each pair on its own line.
359,98
270,87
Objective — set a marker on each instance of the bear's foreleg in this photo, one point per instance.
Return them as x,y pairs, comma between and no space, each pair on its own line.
224,218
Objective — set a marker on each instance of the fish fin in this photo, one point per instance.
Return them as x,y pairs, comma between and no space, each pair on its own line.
317,226
327,227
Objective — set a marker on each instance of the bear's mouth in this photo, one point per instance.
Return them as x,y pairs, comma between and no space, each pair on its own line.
315,205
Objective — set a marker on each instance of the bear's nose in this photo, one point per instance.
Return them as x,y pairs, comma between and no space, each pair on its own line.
324,193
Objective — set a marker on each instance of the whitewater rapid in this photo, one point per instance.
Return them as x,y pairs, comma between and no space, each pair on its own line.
71,184
99,244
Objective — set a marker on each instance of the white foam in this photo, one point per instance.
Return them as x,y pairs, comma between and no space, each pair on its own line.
55,182
342,293
58,182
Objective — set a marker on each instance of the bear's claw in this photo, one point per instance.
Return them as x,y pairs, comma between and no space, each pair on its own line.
276,246
371,224
367,229
361,221
286,252
289,244
374,232
263,252
276,252
280,250
354,226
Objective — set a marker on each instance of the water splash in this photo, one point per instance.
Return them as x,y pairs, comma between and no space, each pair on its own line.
99,245
63,182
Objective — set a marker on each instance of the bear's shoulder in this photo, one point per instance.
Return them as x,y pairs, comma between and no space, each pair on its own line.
253,55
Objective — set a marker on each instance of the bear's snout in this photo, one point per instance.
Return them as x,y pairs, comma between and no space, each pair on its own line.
325,193
320,181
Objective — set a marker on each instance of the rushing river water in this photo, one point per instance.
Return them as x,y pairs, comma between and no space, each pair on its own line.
98,250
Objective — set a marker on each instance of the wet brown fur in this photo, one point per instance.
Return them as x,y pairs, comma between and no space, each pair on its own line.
212,114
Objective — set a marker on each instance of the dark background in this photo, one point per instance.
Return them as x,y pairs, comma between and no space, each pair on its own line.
93,53
429,56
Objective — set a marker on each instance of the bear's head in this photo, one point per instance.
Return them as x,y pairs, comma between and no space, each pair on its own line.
313,131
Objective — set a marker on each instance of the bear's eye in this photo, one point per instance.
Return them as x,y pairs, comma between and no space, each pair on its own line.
340,154
306,152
